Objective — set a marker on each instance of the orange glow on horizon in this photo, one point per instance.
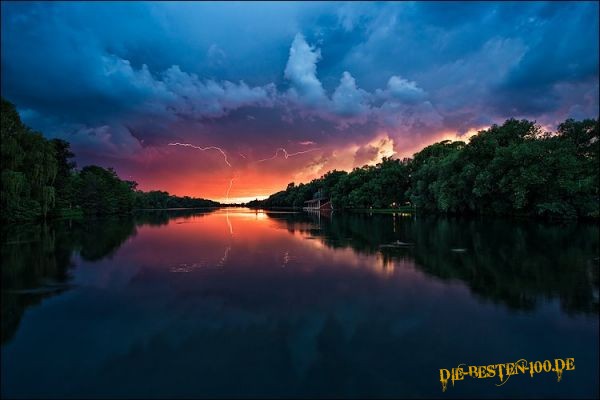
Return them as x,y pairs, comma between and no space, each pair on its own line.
205,174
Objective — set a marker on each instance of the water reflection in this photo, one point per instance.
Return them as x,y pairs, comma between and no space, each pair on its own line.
36,259
516,263
255,303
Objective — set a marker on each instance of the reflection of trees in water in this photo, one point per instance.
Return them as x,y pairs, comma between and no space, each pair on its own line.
36,258
32,255
162,217
517,263
510,262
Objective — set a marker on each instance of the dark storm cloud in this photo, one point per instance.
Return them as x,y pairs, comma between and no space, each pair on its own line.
117,77
559,53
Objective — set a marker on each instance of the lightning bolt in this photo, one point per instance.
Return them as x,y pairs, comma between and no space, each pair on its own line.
223,259
220,150
286,155
228,223
229,188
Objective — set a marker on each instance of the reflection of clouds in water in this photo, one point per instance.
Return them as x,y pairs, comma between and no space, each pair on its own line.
286,258
104,273
188,267
191,267
340,295
223,259
343,306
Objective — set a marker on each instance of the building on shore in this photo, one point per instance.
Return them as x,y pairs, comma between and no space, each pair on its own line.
319,202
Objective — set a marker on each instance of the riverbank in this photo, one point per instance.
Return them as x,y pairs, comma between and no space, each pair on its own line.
411,210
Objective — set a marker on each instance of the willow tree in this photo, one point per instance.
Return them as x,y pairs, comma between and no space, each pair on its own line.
28,166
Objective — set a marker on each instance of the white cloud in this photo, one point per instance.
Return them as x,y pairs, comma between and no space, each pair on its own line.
403,90
348,103
348,99
301,70
183,94
194,97
402,105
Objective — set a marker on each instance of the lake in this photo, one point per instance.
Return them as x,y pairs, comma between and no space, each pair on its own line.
250,303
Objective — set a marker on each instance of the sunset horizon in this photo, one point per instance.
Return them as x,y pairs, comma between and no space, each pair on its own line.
302,87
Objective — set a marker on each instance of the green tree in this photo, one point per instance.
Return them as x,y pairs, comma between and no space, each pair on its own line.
64,183
28,166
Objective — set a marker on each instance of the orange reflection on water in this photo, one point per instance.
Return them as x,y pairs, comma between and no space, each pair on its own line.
237,239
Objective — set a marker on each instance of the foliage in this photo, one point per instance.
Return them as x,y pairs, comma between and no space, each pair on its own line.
29,168
157,199
39,179
511,169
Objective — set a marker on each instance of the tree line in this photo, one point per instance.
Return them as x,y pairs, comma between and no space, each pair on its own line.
39,179
511,169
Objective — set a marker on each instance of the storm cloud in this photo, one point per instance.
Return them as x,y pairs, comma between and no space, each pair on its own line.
122,80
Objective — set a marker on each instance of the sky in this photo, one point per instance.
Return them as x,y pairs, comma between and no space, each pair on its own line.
233,101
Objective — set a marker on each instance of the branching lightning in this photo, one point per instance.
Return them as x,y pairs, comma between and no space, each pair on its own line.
286,155
279,150
220,150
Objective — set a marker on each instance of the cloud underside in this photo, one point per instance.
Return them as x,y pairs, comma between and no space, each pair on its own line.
173,96
358,81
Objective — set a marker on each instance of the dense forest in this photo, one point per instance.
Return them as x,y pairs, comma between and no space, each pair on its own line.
511,169
39,180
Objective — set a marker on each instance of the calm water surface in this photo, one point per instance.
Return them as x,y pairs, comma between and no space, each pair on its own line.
249,303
